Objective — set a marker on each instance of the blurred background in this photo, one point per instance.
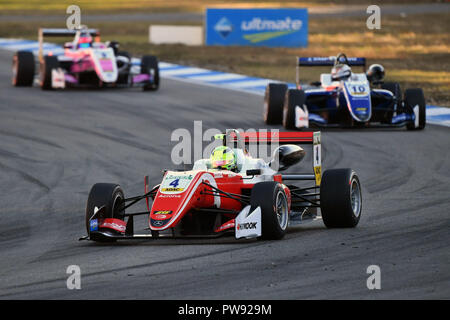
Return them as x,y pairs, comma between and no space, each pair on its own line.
412,44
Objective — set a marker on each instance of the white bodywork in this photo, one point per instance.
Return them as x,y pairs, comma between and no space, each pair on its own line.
248,224
105,64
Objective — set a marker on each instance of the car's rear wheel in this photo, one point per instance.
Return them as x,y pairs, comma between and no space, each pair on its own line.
273,103
340,198
414,98
23,69
272,200
110,196
149,63
49,63
293,99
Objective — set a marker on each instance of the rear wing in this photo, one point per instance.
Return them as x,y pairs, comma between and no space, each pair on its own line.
313,138
324,62
328,61
279,137
60,32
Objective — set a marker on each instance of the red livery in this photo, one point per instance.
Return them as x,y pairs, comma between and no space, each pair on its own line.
254,200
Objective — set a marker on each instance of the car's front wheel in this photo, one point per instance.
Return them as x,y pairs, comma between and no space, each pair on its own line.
149,63
107,195
271,198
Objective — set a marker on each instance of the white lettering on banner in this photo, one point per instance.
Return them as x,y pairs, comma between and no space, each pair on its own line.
258,24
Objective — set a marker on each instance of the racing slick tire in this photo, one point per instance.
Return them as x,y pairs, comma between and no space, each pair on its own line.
340,198
415,97
293,98
272,200
148,63
273,103
23,69
109,195
50,63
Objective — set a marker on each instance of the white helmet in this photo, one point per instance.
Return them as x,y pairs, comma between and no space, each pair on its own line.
341,72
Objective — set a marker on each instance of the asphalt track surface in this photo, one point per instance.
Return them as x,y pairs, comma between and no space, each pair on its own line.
55,145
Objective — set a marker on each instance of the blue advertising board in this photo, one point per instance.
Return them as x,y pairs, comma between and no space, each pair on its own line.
257,27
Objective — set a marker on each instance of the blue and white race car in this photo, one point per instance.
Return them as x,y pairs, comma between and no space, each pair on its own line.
343,98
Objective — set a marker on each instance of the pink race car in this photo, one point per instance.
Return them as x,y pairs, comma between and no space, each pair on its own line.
85,62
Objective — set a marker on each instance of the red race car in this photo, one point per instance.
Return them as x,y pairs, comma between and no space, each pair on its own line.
251,200
85,62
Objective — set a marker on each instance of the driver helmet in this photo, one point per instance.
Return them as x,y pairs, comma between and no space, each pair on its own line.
375,73
341,72
223,158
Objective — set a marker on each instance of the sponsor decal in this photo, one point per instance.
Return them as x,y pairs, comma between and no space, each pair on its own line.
317,158
162,212
265,27
247,226
261,24
176,183
226,225
113,225
272,28
169,196
358,88
157,223
172,189
224,27
178,177
93,225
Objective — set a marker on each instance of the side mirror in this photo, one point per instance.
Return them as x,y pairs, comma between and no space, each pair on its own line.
286,156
